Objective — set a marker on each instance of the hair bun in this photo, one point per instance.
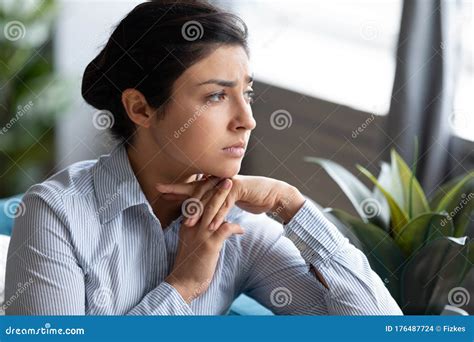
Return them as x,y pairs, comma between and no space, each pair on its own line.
97,89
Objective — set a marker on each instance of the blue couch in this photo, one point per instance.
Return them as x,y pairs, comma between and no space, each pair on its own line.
7,208
243,305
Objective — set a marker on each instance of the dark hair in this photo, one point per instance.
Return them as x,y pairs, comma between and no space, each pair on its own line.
150,48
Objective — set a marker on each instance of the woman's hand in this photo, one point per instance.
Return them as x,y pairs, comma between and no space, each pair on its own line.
251,193
199,247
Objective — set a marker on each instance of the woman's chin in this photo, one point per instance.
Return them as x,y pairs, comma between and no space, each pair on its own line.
227,172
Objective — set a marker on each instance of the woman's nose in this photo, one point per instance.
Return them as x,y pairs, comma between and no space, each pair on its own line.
244,118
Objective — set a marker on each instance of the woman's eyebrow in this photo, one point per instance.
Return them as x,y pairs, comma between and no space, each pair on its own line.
225,83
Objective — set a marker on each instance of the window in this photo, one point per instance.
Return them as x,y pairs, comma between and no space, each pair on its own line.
340,51
463,116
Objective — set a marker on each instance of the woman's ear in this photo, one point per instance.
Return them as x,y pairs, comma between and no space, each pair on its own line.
137,107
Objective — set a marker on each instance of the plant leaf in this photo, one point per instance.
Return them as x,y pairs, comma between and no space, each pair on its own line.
443,190
398,217
384,256
414,198
458,202
430,275
384,180
396,186
423,229
446,202
462,219
354,189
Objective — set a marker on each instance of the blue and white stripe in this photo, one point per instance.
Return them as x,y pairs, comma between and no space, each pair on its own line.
89,243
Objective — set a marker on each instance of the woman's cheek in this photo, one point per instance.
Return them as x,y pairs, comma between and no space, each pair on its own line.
192,144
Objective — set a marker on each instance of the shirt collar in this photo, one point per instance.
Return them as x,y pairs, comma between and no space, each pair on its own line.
116,185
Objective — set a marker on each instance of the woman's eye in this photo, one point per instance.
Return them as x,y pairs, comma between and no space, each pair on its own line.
221,96
250,96
217,97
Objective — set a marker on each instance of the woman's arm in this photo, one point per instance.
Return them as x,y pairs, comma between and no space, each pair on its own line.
284,273
43,276
308,259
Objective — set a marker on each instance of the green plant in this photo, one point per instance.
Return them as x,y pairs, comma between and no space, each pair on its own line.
31,93
417,246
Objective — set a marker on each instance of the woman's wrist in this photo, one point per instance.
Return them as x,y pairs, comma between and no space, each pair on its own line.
182,290
288,202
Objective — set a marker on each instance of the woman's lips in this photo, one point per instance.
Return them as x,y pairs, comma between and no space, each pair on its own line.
236,152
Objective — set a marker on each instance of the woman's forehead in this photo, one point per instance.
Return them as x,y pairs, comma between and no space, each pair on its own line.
228,63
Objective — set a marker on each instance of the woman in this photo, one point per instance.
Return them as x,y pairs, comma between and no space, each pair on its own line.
142,231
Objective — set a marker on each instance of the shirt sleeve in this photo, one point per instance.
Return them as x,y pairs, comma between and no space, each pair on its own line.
43,276
281,276
163,300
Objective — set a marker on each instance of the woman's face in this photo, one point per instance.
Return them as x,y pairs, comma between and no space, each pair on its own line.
209,111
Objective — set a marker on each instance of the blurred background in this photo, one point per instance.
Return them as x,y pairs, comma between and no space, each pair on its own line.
354,82
345,81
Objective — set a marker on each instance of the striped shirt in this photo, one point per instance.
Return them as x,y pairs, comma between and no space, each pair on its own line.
88,242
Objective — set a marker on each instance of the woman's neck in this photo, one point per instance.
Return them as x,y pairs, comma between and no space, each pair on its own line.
152,167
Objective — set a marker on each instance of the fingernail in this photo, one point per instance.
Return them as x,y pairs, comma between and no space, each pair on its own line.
226,184
211,226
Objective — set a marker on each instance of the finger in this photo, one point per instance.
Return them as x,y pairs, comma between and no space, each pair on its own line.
193,208
193,219
205,186
183,188
204,200
227,229
219,218
202,193
174,197
190,208
216,202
